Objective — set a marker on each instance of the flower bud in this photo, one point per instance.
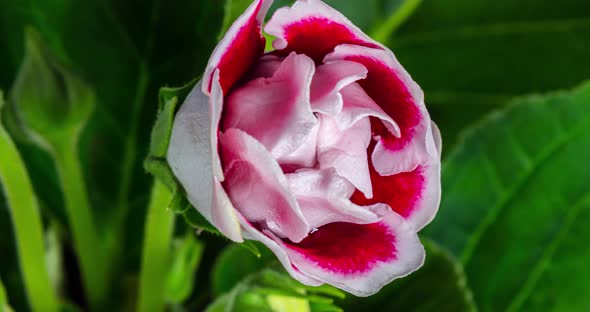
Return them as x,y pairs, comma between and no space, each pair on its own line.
48,100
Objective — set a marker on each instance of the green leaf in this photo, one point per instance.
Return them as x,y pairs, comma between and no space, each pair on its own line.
185,261
439,285
270,290
517,205
472,56
233,264
196,220
169,103
156,163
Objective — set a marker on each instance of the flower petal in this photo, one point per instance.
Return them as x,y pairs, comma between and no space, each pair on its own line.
241,46
276,111
358,258
437,139
257,187
327,82
193,138
323,196
346,151
358,105
392,88
414,195
313,28
252,232
265,67
305,155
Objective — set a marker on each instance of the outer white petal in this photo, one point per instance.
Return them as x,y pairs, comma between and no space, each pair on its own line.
195,166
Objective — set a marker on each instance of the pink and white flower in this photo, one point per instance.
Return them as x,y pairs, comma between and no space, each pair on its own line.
322,149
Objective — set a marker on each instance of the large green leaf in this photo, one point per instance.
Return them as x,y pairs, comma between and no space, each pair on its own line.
470,56
516,208
439,285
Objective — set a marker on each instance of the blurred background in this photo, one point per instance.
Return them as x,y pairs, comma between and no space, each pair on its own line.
503,79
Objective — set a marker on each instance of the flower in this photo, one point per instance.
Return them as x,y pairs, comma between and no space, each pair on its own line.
322,149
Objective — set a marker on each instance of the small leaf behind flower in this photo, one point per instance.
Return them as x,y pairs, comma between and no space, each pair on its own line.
187,256
273,290
234,264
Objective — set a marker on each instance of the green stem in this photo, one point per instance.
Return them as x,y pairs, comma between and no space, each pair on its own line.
28,229
3,299
84,231
155,261
385,29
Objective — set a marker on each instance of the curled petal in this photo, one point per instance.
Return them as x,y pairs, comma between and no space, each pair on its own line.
313,28
414,195
346,151
276,111
323,196
437,139
194,137
252,232
392,88
358,105
305,155
327,82
266,67
257,187
241,46
358,258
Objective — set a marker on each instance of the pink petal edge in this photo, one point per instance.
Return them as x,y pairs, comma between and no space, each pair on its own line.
361,268
313,28
412,148
240,47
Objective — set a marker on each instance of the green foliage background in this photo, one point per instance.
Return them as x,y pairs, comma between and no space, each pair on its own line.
512,229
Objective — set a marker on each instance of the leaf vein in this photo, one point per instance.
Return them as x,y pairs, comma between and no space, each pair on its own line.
544,156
